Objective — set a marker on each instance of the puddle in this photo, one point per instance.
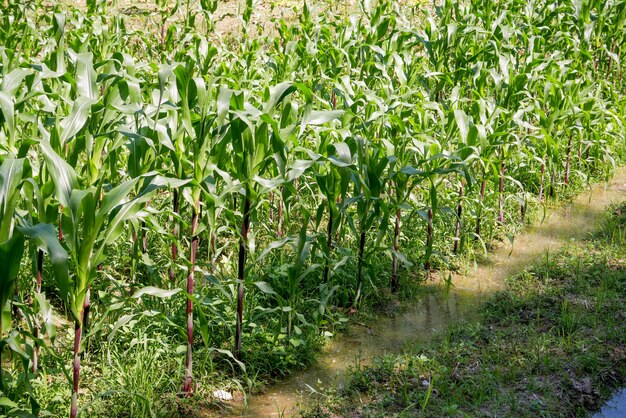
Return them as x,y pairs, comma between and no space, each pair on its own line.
568,223
362,343
433,311
615,407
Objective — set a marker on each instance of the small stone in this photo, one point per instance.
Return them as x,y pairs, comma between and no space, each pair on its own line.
425,383
222,395
583,385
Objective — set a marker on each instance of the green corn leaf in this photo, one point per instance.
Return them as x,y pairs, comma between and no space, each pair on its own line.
277,94
6,402
11,82
72,124
156,292
463,123
125,319
320,117
46,313
62,174
46,239
11,173
86,76
223,105
8,114
231,356
115,197
11,252
265,288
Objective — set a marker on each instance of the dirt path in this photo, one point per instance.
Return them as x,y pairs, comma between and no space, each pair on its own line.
145,14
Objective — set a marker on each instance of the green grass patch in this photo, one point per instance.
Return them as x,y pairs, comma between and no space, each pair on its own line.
552,344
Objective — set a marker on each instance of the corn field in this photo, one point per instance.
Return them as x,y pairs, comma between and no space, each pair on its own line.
224,202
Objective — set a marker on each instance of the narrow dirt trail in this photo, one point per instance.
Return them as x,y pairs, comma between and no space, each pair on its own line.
433,311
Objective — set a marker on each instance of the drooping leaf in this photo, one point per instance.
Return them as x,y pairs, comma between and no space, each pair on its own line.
62,174
156,292
265,288
76,120
46,239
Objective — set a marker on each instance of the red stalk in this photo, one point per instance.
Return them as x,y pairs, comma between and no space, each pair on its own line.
144,238
543,171
77,336
36,330
567,164
500,194
329,243
359,273
481,197
459,212
271,205
213,243
78,331
429,239
396,246
190,277
279,218
243,243
176,204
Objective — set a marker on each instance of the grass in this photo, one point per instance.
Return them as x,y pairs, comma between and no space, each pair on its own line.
552,344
